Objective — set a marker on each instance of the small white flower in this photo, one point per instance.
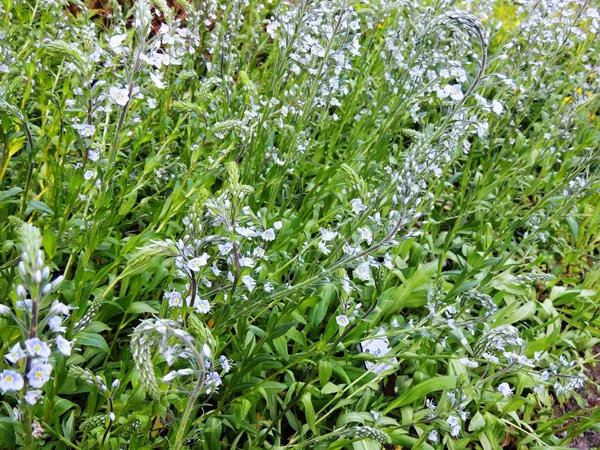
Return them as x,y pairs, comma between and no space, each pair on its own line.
249,282
268,235
202,306
112,416
246,262
170,376
323,247
119,96
212,382
174,298
36,347
454,424
362,272
357,205
505,389
39,375
60,308
115,41
85,130
215,270
327,235
55,323
278,225
196,264
365,235
32,396
156,79
433,436
16,354
224,249
225,364
342,320
10,381
467,362
63,345
497,107
151,103
4,310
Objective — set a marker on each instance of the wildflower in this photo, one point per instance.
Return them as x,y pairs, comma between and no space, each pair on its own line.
278,225
327,235
363,272
249,282
37,430
115,41
342,320
366,235
59,308
323,247
88,175
55,323
16,354
10,381
246,262
157,81
497,107
212,382
505,389
119,96
202,306
36,347
433,436
151,103
112,416
4,310
174,298
225,364
32,396
85,130
357,205
224,249
467,362
63,345
268,235
39,375
258,252
196,263
454,424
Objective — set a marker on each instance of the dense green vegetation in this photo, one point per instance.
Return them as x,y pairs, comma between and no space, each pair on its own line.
317,224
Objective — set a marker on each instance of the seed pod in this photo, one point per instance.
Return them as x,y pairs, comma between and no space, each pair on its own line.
93,422
373,433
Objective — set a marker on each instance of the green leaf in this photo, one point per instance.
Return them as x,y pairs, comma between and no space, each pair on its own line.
36,205
92,340
325,370
140,308
421,390
476,422
309,411
49,241
280,330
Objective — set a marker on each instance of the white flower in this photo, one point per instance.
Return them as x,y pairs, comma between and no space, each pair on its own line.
196,264
467,362
151,103
323,247
491,358
258,252
212,382
224,249
174,298
10,381
112,416
39,375
170,376
225,364
60,308
433,436
85,129
36,347
4,310
388,261
342,320
156,79
497,107
16,354
32,396
268,287
115,41
245,231
268,235
365,235
357,206
119,96
505,389
327,235
55,323
454,424
215,270
246,262
278,225
363,272
202,306
249,282
88,175
63,345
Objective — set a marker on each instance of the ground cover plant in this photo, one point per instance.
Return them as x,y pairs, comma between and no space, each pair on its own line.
324,224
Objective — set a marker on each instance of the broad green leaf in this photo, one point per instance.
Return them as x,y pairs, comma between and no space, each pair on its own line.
421,390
